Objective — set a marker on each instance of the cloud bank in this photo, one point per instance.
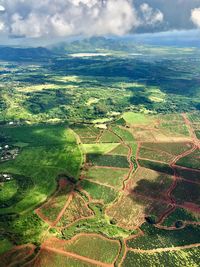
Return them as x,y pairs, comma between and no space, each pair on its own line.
60,18
195,16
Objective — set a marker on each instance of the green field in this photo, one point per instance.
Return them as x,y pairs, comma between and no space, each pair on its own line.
42,164
191,161
107,176
109,137
108,160
99,192
94,247
180,215
186,192
158,238
99,148
5,245
8,189
135,118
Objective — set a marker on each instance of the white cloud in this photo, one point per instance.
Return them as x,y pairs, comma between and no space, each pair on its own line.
2,26
2,8
60,18
195,16
150,16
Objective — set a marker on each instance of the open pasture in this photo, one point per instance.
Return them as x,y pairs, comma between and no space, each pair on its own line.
135,119
51,151
101,148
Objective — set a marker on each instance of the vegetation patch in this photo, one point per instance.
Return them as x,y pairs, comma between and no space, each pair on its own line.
108,160
159,238
52,259
191,161
149,183
109,137
156,166
107,176
92,246
181,214
101,148
77,209
190,257
137,118
188,194
99,192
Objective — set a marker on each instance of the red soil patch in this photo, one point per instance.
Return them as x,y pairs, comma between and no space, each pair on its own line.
62,183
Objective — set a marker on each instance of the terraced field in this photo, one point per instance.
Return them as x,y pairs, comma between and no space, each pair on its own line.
107,197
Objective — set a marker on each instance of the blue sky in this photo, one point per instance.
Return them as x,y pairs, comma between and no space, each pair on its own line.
47,19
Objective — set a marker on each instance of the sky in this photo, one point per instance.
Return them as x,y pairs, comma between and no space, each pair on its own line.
47,19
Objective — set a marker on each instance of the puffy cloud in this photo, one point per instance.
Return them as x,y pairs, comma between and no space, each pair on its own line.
2,8
60,18
68,17
195,16
150,16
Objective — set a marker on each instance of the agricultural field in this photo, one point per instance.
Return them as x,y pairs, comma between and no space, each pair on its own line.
191,161
77,210
149,183
187,193
162,238
190,257
91,246
99,192
182,215
108,160
99,158
107,176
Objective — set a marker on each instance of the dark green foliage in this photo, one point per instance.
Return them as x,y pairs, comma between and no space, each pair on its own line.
24,184
152,236
180,215
186,257
156,166
179,224
151,219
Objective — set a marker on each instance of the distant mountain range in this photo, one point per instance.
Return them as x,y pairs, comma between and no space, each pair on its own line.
24,54
98,44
